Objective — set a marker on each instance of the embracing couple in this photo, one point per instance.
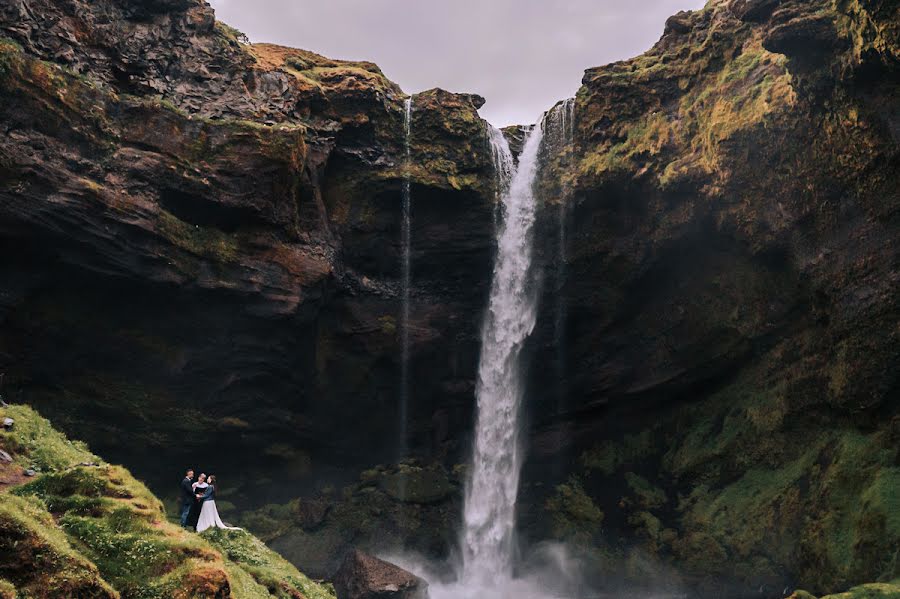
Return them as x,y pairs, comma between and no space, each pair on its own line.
198,502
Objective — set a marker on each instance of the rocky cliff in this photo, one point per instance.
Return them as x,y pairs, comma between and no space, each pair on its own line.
202,263
730,289
202,241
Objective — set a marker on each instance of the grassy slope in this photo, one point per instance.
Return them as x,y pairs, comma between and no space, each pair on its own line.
89,529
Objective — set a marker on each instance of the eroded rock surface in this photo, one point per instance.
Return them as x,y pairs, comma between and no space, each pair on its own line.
202,241
363,576
202,262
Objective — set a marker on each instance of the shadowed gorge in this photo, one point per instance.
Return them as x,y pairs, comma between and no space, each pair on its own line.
280,265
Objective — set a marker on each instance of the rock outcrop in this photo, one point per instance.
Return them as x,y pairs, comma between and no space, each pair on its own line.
730,296
202,242
363,576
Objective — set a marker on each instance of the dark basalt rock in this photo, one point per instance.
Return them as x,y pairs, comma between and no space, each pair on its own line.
806,37
201,244
211,230
718,343
362,576
753,10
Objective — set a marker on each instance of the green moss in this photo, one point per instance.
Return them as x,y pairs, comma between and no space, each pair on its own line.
609,456
207,242
883,496
647,495
415,484
232,33
574,516
37,557
34,442
266,567
7,590
96,528
870,591
128,560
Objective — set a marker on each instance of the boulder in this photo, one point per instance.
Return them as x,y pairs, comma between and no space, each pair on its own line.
363,576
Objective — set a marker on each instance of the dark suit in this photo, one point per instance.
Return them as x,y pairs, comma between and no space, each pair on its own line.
187,499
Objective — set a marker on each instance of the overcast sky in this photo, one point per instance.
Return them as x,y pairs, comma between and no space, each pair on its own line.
521,55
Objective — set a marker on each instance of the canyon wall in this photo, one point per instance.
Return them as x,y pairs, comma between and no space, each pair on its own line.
730,293
202,264
202,242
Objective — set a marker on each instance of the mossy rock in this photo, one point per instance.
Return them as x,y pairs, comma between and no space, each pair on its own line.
95,531
266,567
880,590
417,485
7,590
38,558
647,496
573,514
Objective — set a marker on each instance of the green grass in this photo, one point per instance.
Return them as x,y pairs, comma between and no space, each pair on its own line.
95,531
38,557
266,567
34,442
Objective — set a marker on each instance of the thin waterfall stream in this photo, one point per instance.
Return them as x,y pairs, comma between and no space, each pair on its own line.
565,136
406,275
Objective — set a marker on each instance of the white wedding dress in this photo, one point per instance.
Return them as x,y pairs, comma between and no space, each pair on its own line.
209,517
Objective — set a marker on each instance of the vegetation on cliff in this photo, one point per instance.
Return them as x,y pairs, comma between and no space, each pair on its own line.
729,188
84,528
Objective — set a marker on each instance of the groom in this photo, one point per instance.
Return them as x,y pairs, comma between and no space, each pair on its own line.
187,495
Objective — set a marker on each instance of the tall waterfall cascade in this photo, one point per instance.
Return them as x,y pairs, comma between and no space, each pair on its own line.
406,275
490,500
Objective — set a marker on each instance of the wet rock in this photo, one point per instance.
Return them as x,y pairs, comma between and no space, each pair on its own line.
5,457
8,423
310,513
363,576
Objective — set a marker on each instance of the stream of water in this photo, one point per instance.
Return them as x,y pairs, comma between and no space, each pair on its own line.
406,275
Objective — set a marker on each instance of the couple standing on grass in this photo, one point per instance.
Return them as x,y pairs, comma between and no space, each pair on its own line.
198,502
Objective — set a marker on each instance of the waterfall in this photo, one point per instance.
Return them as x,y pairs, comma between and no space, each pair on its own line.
406,265
490,501
502,159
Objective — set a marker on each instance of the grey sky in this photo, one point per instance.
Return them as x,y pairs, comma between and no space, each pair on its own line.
521,55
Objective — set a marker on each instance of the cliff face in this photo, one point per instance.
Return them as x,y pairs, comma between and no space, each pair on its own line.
731,296
202,264
202,240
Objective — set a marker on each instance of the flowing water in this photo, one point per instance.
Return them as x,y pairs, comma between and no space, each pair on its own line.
504,165
488,537
406,270
489,515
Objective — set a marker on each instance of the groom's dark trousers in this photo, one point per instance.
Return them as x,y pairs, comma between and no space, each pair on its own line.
187,499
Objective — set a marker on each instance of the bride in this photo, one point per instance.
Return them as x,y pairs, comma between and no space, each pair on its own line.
209,515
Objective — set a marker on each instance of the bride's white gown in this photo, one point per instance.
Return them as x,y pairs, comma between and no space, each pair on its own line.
209,517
